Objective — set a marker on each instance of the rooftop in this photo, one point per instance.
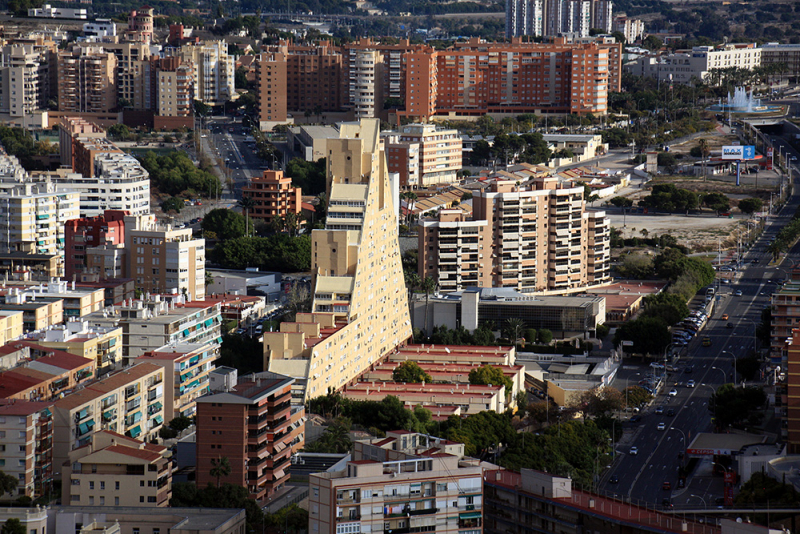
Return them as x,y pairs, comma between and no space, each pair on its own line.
19,407
111,382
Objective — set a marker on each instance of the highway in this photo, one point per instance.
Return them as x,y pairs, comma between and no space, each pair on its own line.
242,164
641,476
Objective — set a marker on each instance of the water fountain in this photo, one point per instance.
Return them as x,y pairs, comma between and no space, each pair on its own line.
742,102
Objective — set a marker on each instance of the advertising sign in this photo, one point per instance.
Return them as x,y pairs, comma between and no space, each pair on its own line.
738,152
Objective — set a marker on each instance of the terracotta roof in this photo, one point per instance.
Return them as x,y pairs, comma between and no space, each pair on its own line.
19,407
60,358
150,456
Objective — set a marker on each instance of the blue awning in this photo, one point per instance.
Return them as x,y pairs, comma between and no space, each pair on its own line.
135,431
186,333
137,417
470,515
219,340
90,423
209,322
158,419
83,428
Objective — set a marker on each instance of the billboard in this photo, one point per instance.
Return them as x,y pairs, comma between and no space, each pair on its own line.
739,152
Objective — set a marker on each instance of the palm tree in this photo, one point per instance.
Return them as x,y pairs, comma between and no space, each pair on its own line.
292,221
246,203
512,328
704,151
220,467
428,285
412,282
276,224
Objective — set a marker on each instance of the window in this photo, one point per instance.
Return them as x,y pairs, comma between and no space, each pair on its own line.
102,485
91,485
116,485
116,501
151,499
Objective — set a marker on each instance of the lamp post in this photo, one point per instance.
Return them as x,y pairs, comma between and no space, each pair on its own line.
685,444
724,374
713,392
734,364
705,506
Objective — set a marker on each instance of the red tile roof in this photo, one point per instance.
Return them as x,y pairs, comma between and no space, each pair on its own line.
150,456
20,407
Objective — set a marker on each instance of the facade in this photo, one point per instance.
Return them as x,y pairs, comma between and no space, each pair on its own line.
80,234
26,444
174,93
100,28
186,366
131,69
213,71
258,414
366,83
785,54
43,374
632,29
273,196
555,17
272,89
534,239
128,402
48,12
36,314
150,324
102,345
32,219
24,79
11,325
87,80
424,155
405,481
113,469
119,519
683,66
359,307
140,25
790,393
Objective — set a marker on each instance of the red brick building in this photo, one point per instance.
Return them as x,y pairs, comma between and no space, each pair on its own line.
258,414
273,195
80,234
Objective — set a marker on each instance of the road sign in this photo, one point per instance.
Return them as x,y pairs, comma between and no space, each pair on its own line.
627,343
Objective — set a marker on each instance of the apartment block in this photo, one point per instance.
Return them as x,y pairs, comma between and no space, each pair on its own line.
102,345
406,481
26,444
32,219
80,234
535,238
140,25
43,374
257,413
213,70
73,153
77,302
359,307
366,74
174,93
786,54
186,367
554,17
150,324
113,469
11,324
424,155
87,80
632,29
95,519
24,78
129,402
131,70
36,314
273,195
272,89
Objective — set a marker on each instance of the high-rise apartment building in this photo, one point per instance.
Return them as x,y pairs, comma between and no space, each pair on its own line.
359,310
174,92
539,238
87,80
24,78
273,195
366,83
555,17
80,234
213,70
632,29
524,17
32,218
255,426
406,482
273,89
26,444
424,155
789,388
131,71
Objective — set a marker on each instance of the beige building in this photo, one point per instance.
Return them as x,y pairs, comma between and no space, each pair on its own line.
11,325
406,482
632,29
213,71
131,71
174,91
536,238
32,219
102,345
186,367
87,78
126,520
359,310
130,402
366,83
24,79
115,470
26,432
36,314
424,155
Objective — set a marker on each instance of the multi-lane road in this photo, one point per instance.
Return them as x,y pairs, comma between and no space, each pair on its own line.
642,476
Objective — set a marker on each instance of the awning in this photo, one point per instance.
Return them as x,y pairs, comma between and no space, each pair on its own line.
83,428
137,417
186,333
209,322
82,413
157,406
90,423
279,446
279,474
219,340
108,414
135,431
470,515
159,419
47,412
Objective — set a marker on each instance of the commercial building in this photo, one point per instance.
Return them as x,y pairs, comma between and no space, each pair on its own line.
128,402
273,196
87,232
519,502
26,443
359,307
254,425
529,238
684,66
186,366
406,481
113,469
155,322
424,155
784,54
213,70
87,80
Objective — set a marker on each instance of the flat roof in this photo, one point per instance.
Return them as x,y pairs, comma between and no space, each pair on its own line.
707,444
349,192
335,284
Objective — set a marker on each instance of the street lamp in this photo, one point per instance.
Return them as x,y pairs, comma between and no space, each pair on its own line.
734,364
685,444
724,374
713,392
705,506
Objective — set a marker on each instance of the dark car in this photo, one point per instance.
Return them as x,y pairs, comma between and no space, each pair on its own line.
729,325
614,479
659,409
688,370
671,412
635,419
667,485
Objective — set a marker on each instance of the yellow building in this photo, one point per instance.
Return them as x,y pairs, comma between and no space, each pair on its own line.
36,314
115,470
102,345
359,312
118,403
10,325
186,367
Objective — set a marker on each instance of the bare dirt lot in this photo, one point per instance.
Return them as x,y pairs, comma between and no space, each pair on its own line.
697,232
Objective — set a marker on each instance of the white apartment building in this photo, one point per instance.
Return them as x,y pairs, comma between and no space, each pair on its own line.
424,155
632,29
24,79
213,70
405,482
366,85
524,17
32,218
684,66
49,12
100,28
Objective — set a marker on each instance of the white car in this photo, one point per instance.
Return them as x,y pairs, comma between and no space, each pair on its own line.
690,384
673,392
634,451
662,426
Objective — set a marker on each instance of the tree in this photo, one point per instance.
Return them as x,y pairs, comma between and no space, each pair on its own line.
545,336
220,467
621,202
227,224
734,406
513,328
669,306
13,526
119,132
180,423
428,285
652,43
638,266
8,483
717,201
598,401
172,204
489,375
309,175
292,221
410,372
335,439
636,396
750,205
246,203
650,335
